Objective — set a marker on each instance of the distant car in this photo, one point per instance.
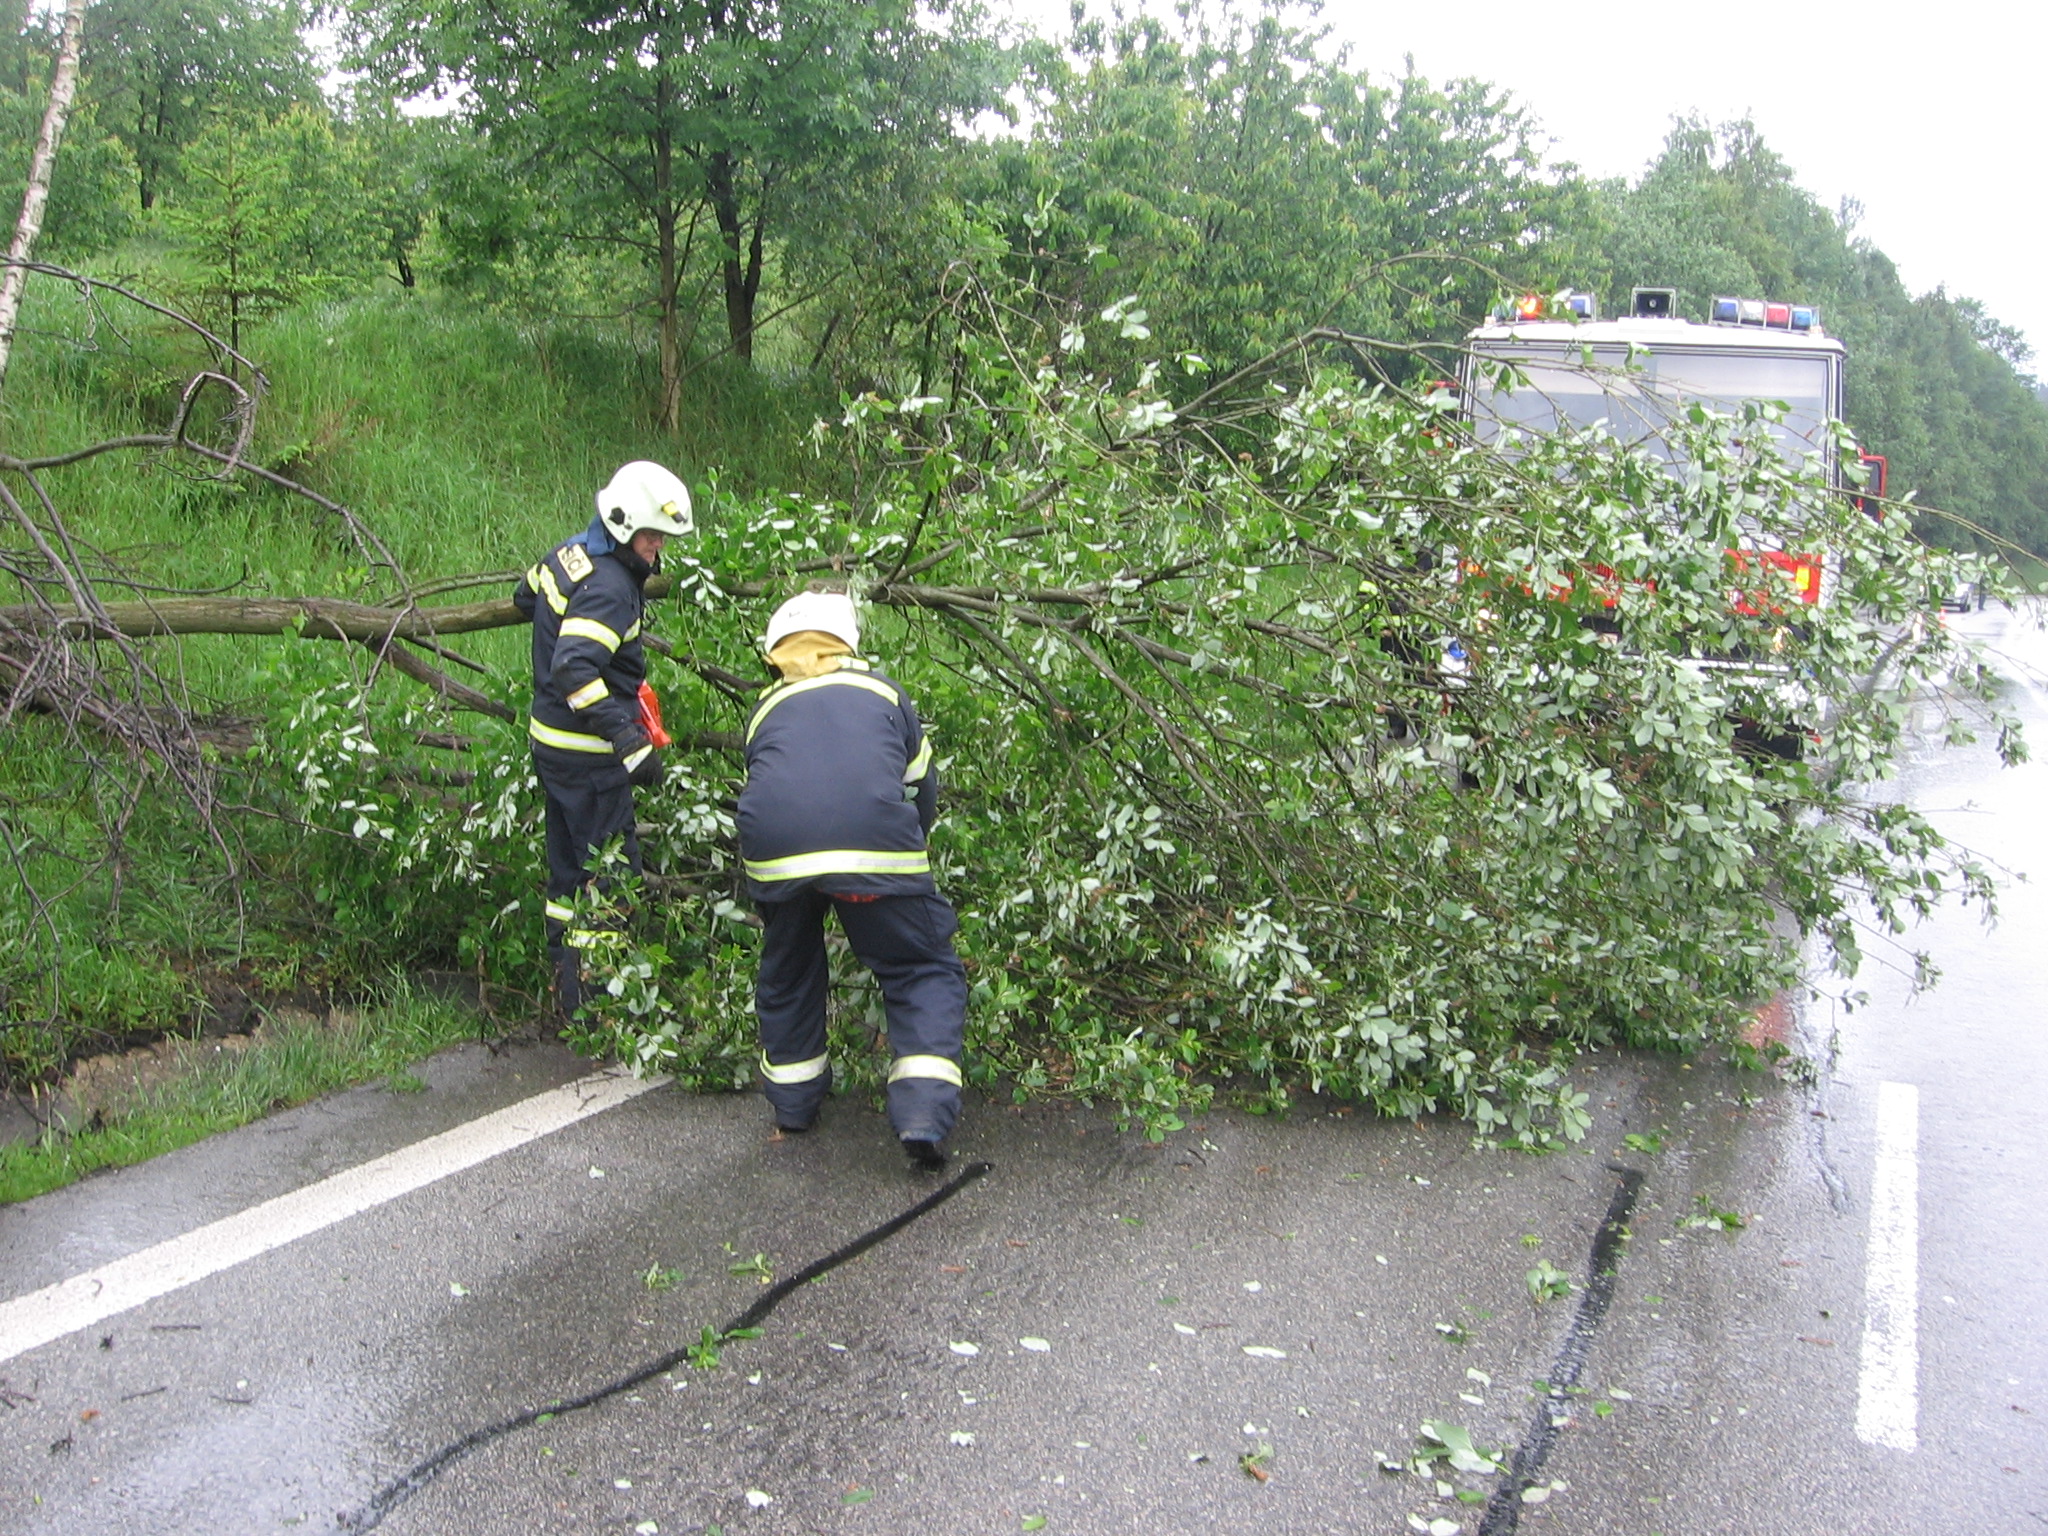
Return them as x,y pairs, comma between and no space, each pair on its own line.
1963,597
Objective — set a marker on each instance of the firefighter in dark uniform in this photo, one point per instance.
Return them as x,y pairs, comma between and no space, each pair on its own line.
839,798
591,743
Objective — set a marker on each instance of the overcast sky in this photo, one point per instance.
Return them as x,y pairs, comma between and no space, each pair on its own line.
1931,116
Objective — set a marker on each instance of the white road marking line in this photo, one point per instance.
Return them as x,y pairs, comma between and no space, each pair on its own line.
30,1321
1888,1392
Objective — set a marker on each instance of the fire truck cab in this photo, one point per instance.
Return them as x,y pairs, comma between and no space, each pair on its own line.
1545,364
1541,364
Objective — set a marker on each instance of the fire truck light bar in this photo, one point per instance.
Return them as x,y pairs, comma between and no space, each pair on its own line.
1533,306
1776,317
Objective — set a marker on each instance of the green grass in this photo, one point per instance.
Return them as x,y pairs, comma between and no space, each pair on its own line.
467,439
284,1069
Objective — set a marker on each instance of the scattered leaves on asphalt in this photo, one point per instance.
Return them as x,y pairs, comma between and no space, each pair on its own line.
756,1499
962,1347
1265,1352
1453,1442
1708,1214
1253,1462
1035,1345
961,1437
856,1495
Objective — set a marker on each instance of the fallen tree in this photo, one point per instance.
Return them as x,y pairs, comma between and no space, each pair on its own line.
1280,748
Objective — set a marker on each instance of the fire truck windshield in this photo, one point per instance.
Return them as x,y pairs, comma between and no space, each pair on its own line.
1637,397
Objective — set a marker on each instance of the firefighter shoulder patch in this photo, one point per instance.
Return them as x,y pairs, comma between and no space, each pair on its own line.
575,561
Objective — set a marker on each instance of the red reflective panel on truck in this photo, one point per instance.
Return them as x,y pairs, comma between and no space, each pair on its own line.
1800,579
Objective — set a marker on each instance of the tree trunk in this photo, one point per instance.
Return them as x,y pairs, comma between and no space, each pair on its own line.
742,272
666,278
63,85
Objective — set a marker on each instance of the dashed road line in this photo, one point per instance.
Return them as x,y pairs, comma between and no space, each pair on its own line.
1888,1389
28,1322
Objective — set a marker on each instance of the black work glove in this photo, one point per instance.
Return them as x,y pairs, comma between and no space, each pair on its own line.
639,757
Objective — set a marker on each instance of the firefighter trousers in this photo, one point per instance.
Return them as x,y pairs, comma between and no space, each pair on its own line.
585,810
907,943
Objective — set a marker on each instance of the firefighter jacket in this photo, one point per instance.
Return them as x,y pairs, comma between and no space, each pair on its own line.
586,602
840,788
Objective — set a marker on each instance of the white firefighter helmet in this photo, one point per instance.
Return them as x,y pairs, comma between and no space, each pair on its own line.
830,612
644,495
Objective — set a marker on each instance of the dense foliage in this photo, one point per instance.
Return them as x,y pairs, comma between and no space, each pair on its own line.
1224,800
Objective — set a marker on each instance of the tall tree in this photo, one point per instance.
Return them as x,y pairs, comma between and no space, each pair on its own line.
159,71
63,85
91,203
667,123
273,211
1237,172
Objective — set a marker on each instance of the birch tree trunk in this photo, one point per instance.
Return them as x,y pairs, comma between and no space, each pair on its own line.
63,85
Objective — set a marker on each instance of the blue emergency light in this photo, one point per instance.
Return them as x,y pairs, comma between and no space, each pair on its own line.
1775,317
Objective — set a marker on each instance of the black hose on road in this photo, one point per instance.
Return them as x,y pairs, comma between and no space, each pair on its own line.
1504,1509
401,1488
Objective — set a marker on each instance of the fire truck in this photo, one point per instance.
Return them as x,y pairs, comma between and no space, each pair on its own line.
1545,363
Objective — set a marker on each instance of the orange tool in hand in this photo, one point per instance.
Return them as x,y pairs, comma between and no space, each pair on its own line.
650,716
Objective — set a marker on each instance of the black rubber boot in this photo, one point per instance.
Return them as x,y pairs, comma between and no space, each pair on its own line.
568,968
925,1156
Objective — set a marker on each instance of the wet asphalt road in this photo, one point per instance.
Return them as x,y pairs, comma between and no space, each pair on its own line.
1313,1289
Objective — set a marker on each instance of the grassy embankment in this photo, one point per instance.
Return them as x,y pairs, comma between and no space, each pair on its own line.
207,1094
468,443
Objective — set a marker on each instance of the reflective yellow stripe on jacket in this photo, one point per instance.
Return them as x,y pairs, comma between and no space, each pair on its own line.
542,579
787,690
920,764
568,741
840,861
590,629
